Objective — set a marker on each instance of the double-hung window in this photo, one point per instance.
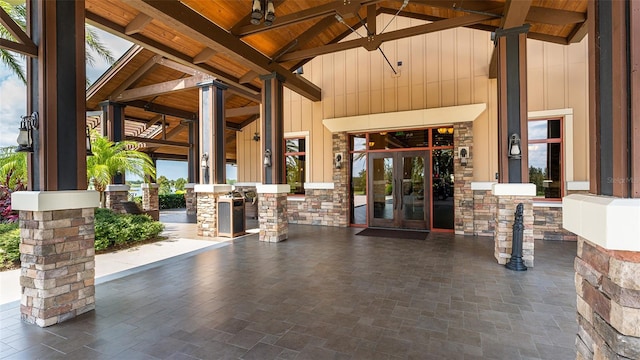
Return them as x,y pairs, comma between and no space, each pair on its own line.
545,157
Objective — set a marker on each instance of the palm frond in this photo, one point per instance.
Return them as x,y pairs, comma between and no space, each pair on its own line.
94,43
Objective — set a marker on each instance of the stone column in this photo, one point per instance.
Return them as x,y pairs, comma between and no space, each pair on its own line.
190,199
57,237
607,281
207,209
508,196
340,206
463,175
484,209
272,212
150,201
115,195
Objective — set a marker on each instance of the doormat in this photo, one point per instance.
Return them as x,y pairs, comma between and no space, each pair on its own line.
395,233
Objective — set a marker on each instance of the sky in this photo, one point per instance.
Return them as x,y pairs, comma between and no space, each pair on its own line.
13,95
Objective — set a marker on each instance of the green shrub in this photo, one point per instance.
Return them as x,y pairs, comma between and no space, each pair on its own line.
9,244
119,229
172,201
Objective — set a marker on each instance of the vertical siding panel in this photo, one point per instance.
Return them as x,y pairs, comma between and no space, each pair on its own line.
482,50
364,81
535,75
414,69
554,76
432,60
447,55
316,137
376,71
339,84
448,93
286,109
578,99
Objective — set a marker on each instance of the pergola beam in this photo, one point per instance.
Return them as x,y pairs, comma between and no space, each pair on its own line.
162,88
192,24
242,111
376,41
137,75
248,91
162,109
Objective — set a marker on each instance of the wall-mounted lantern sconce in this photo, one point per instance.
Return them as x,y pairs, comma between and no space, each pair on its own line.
256,137
88,143
267,158
515,152
338,160
463,152
204,164
25,136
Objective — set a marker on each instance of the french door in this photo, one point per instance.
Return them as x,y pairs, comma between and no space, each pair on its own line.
399,189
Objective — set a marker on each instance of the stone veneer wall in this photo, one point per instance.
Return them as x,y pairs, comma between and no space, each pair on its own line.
272,217
57,261
341,181
463,176
547,224
190,199
506,207
608,302
484,213
207,214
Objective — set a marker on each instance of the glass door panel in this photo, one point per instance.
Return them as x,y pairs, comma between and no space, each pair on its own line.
442,183
413,209
382,190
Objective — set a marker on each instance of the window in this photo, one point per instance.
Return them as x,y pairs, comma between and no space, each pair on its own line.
545,157
295,160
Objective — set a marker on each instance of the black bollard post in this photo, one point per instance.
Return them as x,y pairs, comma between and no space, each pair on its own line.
516,263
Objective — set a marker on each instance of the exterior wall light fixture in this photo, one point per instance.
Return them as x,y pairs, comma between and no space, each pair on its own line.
267,158
25,136
88,143
515,151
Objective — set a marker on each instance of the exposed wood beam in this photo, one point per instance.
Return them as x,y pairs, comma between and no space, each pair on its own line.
515,13
555,16
153,121
248,91
548,38
175,131
371,20
162,88
137,24
27,50
162,109
393,35
201,29
16,31
204,55
342,7
138,74
243,124
113,70
425,17
248,77
242,111
179,67
157,141
578,33
306,36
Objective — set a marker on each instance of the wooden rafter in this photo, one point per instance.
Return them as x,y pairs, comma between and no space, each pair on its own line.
204,55
175,131
137,24
162,109
373,44
306,36
192,24
515,14
136,76
248,91
341,7
242,111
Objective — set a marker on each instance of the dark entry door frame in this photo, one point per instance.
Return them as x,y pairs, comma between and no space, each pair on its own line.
399,189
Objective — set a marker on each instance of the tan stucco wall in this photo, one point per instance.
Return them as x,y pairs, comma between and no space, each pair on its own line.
447,68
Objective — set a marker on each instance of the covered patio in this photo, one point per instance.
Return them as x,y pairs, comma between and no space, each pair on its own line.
325,293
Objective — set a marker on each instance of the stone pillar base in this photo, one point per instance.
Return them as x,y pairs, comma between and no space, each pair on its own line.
190,199
272,212
207,210
57,254
115,195
150,200
508,196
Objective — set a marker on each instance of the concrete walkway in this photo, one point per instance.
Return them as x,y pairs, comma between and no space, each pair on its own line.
181,240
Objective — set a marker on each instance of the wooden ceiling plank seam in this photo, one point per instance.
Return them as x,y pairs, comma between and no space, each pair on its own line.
204,55
137,24
388,36
201,29
251,92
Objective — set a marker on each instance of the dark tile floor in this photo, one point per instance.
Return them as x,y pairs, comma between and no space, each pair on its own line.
323,294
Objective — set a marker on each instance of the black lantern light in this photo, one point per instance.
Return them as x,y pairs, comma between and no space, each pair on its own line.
515,151
260,8
25,136
267,158
88,143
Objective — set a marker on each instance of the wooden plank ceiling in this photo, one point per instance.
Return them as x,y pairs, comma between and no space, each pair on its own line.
182,43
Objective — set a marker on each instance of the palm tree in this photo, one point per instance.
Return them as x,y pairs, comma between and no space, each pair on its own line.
13,167
19,14
112,158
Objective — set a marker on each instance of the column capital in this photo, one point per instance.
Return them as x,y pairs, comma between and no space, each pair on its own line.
273,75
213,83
515,30
54,200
